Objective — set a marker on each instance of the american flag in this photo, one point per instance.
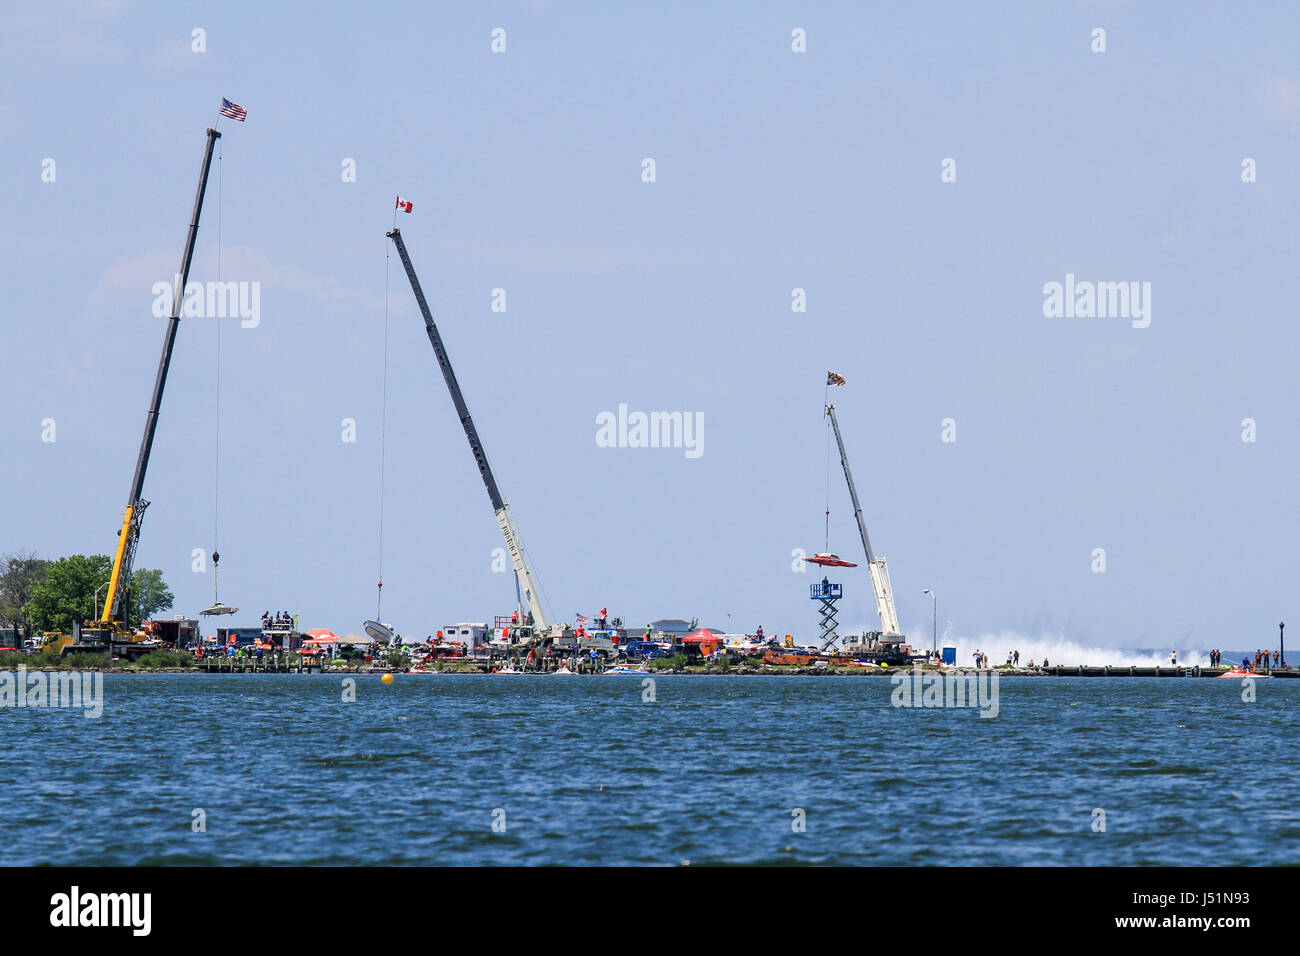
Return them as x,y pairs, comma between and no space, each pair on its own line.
233,110
580,619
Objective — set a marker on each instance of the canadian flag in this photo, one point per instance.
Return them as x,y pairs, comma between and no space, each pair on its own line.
403,205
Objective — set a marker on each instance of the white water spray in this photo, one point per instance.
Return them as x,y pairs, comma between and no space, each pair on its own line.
1055,649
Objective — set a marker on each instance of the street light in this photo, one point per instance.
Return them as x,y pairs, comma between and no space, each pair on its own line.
97,590
934,635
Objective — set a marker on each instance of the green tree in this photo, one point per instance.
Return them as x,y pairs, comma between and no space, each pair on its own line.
149,594
19,572
66,592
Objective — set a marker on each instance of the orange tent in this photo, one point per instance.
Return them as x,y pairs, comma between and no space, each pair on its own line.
708,641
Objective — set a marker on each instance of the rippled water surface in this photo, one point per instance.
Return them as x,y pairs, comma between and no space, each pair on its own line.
584,771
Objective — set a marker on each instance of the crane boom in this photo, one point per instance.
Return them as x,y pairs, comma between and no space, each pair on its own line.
877,567
523,570
115,611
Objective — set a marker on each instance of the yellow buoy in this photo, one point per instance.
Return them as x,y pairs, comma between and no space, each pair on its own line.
387,678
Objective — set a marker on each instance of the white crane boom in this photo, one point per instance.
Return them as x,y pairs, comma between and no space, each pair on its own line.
523,571
877,567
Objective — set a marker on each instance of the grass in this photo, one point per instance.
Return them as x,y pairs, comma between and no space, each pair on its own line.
156,660
13,659
676,662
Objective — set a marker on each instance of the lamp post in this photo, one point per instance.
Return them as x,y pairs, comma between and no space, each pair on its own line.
934,633
1281,639
97,590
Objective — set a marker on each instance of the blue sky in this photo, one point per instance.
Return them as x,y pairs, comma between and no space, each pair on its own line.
775,170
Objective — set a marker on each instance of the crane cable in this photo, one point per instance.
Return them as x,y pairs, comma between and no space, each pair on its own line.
826,396
383,435
216,444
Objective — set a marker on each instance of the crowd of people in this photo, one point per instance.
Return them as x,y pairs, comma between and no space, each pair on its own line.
1264,660
1013,659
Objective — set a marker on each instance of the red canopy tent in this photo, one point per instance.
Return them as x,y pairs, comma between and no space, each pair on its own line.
706,639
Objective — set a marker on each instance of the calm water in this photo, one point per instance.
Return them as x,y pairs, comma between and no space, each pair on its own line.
587,773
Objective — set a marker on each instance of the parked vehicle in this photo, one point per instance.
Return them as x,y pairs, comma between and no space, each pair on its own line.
647,650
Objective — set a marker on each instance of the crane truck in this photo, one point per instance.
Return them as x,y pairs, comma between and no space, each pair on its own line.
885,645
111,631
532,622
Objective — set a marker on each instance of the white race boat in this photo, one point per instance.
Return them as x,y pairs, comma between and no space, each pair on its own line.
630,669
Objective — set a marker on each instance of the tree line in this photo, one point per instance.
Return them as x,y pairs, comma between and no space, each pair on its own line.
38,595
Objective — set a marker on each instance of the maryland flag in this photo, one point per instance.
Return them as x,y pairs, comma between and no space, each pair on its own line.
834,378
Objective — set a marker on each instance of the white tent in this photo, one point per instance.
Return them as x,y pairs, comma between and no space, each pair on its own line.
356,639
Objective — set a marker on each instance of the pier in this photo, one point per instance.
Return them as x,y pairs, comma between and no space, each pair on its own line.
1110,670
234,665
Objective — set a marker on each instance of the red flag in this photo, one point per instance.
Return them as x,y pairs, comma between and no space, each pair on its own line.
403,205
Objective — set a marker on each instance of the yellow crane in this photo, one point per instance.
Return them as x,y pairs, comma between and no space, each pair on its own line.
113,626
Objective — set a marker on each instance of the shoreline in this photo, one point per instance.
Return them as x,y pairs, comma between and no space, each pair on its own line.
1063,670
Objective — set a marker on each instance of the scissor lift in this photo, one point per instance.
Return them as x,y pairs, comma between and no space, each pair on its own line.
827,594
